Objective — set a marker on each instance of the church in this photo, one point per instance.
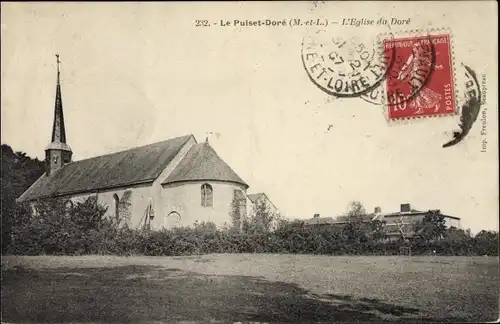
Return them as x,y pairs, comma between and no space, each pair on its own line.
172,183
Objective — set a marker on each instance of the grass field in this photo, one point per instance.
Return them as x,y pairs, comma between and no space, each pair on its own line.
248,287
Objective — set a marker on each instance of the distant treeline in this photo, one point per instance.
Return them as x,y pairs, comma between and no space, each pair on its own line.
19,171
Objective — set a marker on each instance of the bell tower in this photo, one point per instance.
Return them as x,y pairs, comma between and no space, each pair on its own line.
57,153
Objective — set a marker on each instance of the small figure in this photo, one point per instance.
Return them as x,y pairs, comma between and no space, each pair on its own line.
425,97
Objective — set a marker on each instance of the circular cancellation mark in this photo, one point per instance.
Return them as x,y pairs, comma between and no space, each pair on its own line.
345,67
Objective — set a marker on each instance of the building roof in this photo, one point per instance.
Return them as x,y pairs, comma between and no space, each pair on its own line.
201,163
323,221
328,221
319,220
414,213
254,197
138,165
372,217
58,140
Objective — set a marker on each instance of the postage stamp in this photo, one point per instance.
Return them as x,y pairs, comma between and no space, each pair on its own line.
420,81
410,74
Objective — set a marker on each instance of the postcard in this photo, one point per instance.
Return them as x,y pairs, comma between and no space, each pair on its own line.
285,161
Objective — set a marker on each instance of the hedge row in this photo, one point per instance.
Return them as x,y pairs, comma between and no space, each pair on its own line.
83,229
188,242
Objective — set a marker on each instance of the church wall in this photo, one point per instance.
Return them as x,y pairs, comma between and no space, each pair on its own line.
185,199
140,194
139,199
156,189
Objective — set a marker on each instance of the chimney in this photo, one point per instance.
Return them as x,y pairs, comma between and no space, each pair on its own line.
316,216
405,208
377,210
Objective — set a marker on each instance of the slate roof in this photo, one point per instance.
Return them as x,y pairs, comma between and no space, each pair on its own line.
414,213
374,216
138,165
201,162
319,221
254,197
328,221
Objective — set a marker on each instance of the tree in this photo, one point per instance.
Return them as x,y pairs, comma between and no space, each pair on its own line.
238,211
356,209
205,227
355,212
53,226
354,231
283,224
487,242
457,234
262,219
87,215
433,226
19,171
360,227
376,230
124,209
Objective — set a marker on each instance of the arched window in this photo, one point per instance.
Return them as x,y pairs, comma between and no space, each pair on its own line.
172,220
116,204
207,198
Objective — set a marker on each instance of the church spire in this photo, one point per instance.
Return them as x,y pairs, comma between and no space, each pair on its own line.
58,152
58,129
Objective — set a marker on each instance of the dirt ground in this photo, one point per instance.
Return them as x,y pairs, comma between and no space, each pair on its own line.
248,287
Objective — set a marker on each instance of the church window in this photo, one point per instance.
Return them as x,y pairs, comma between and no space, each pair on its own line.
116,204
172,220
206,195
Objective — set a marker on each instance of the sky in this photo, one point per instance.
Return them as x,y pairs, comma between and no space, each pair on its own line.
139,73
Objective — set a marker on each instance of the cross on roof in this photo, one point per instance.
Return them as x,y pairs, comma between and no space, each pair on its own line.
58,62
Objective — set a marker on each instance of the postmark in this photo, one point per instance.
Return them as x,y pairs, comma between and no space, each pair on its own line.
344,67
470,106
420,83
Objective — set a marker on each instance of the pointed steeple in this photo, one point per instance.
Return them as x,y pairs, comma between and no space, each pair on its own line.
58,152
58,129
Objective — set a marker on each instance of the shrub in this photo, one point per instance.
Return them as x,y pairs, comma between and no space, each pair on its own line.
82,228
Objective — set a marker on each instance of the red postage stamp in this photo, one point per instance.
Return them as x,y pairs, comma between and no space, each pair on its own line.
420,79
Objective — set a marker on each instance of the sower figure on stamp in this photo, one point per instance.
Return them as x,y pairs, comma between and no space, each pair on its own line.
425,97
